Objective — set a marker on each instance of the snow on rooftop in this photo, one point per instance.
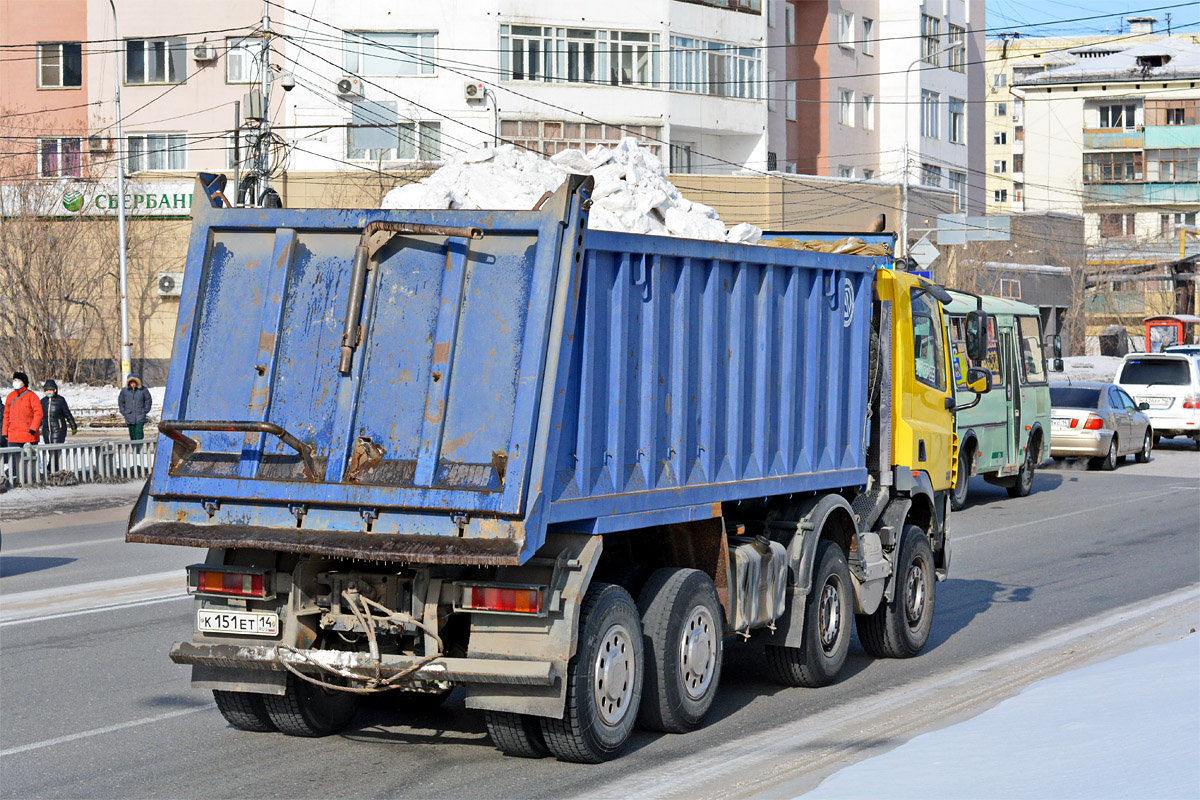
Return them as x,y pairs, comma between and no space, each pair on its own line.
1179,59
1042,268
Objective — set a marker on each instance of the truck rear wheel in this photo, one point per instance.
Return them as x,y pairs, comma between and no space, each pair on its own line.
517,735
682,626
244,711
604,680
306,709
899,629
826,640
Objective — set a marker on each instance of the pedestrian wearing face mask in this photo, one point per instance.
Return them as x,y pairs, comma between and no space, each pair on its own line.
22,413
134,404
56,418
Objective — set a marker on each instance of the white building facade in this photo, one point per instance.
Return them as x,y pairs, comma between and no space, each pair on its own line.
376,86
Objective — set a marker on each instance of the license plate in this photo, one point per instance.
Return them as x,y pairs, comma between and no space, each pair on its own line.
250,623
1155,402
1059,422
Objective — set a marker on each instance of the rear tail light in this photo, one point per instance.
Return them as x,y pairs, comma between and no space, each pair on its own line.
1191,402
229,582
502,599
1094,423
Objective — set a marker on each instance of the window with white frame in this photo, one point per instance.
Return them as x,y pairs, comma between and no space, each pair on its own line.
548,136
958,116
868,174
789,22
929,113
846,107
156,60
931,31
60,65
958,185
958,48
716,69
845,30
1118,116
1000,195
868,36
579,55
389,54
60,156
868,112
999,166
157,151
772,103
790,110
243,56
415,141
1000,80
770,13
931,175
1000,110
845,172
1000,137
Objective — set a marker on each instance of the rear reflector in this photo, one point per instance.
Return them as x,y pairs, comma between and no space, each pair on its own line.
504,599
231,583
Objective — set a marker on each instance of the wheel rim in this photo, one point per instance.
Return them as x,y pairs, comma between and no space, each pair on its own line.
1146,447
612,682
698,653
829,620
914,593
1112,451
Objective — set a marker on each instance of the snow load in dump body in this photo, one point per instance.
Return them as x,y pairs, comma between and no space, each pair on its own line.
540,377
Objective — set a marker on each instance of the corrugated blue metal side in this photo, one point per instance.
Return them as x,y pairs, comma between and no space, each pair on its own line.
703,372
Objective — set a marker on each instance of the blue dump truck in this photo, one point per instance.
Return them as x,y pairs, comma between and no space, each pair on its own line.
560,468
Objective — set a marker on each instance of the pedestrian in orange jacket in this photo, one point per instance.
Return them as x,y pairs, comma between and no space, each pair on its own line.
22,413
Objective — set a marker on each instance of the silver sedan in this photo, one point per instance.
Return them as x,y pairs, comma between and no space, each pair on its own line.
1097,421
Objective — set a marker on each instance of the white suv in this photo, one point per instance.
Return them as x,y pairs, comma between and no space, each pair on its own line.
1169,384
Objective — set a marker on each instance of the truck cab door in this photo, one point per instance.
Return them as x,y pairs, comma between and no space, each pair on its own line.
931,420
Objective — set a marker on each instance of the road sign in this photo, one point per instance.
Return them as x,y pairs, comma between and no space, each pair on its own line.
924,253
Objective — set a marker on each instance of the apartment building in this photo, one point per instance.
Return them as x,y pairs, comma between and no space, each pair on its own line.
880,90
377,88
1012,58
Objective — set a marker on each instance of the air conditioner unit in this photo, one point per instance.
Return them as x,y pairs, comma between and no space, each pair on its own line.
473,91
170,284
1016,117
350,86
204,52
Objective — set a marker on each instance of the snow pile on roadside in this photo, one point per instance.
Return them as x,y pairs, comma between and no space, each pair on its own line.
89,401
1088,368
1122,728
632,193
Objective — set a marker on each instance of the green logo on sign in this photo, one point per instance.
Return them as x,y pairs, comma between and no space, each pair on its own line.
73,201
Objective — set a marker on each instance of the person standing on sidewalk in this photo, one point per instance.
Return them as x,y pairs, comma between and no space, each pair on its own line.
22,413
134,403
56,417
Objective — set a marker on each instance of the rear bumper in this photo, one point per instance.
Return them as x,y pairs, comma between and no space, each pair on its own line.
1176,423
1084,443
456,670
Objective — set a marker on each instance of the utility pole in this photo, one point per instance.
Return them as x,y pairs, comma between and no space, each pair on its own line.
264,133
126,345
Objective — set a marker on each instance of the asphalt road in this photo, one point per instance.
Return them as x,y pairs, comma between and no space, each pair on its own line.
90,705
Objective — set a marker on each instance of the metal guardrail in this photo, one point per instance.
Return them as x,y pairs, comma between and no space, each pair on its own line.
89,462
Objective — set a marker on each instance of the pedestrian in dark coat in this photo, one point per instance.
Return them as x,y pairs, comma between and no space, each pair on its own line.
134,403
56,418
22,413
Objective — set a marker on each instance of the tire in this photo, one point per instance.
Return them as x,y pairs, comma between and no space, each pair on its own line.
900,628
309,710
244,711
604,680
958,495
682,627
1196,441
1143,455
1024,483
826,637
1109,462
518,735
1157,439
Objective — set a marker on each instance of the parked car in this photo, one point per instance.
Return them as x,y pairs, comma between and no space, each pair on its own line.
1192,350
1098,421
1169,384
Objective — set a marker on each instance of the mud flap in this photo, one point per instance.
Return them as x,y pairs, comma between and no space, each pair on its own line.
566,564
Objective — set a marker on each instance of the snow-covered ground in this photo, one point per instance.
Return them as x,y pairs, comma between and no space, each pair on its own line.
26,503
1124,728
1088,368
92,401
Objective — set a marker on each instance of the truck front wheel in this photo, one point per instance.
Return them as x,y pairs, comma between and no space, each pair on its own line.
604,680
826,640
682,624
306,709
958,495
900,628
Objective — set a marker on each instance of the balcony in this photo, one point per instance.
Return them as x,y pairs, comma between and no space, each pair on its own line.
1141,193
1113,139
1168,137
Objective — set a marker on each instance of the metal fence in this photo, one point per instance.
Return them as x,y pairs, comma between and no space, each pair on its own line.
89,462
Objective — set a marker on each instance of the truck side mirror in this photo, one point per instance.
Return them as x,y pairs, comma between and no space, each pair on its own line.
1056,345
979,380
976,334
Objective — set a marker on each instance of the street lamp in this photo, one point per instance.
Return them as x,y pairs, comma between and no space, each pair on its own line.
904,185
126,351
